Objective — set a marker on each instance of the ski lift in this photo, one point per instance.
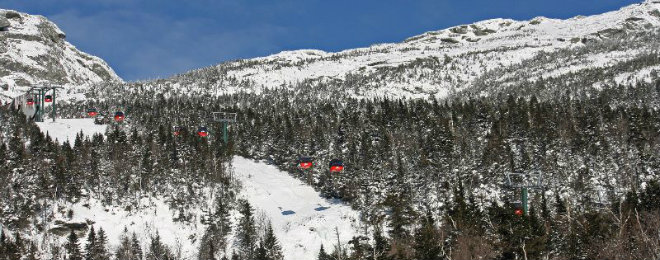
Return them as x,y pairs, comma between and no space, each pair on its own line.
119,116
336,165
305,162
202,131
177,130
30,101
92,112
48,98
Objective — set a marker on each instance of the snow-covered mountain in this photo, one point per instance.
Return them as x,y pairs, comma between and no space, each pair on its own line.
34,50
483,57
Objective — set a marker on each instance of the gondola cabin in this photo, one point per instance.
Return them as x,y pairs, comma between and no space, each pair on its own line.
48,98
92,112
177,130
336,165
119,116
202,131
30,101
305,163
518,212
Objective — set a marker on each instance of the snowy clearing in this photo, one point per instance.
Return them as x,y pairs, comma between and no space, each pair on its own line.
302,220
66,129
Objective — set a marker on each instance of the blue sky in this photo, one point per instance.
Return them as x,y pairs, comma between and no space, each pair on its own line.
158,38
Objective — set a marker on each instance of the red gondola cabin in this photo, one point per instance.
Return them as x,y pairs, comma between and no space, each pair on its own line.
336,165
177,130
518,212
30,101
48,98
202,131
305,163
119,116
92,112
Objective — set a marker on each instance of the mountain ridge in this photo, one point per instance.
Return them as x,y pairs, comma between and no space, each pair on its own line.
442,63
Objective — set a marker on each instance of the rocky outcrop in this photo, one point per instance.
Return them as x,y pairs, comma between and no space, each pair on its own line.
4,23
34,50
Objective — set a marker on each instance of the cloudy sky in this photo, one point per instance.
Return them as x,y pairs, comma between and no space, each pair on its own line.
158,38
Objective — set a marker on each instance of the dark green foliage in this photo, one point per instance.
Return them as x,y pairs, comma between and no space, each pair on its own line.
247,233
323,255
273,250
129,248
91,245
158,251
72,247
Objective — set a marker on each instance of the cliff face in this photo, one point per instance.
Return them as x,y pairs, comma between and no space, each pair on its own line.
34,50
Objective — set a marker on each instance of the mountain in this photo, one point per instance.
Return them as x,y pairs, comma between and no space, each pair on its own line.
574,101
483,58
34,50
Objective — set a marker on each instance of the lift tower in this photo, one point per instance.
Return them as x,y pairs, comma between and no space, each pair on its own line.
524,182
224,118
39,93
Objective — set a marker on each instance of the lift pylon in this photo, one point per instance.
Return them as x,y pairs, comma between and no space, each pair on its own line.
224,118
524,182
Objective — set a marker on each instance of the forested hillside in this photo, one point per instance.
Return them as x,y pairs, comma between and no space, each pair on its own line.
415,166
41,181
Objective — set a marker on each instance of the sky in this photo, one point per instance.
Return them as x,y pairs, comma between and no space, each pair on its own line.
159,38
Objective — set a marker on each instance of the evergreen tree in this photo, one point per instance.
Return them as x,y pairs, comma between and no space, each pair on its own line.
247,234
127,249
72,247
271,245
261,252
91,245
323,255
159,251
135,246
100,250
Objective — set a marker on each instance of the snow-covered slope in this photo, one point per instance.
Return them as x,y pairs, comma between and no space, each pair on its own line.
301,219
33,50
440,63
64,130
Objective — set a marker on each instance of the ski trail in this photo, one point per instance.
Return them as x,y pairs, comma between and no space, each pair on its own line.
301,219
67,129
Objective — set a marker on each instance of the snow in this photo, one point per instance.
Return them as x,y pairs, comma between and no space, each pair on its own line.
67,129
37,55
151,215
301,219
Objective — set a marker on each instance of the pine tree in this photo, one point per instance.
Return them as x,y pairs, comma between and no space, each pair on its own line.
323,255
261,253
247,235
135,246
126,249
72,248
159,251
271,245
91,245
100,249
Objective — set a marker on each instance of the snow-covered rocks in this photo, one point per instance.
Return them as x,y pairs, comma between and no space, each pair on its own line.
34,51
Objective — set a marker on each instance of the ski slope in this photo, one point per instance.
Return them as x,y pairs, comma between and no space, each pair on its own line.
66,129
301,219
